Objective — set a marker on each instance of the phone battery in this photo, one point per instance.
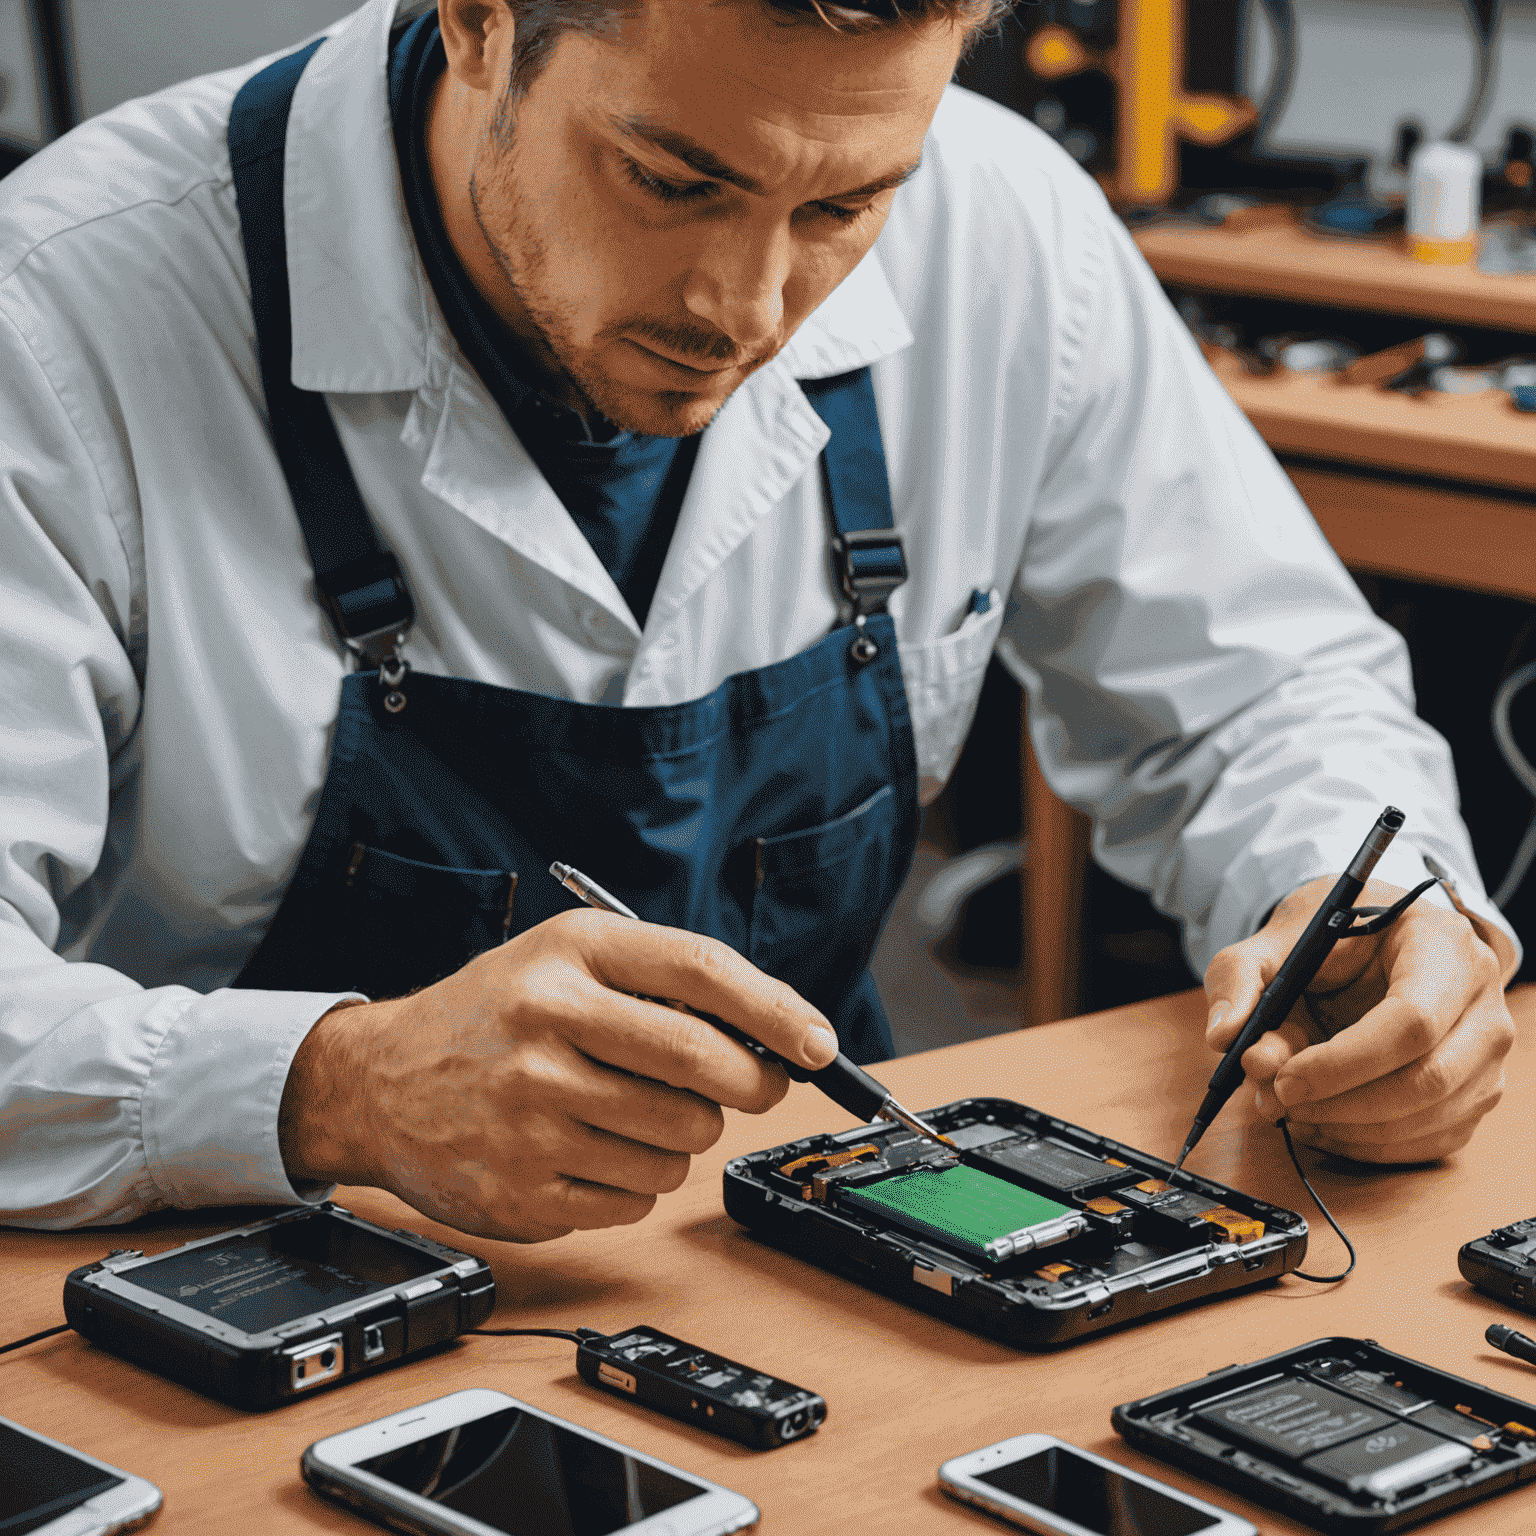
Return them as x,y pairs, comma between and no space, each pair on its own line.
1389,1460
1292,1419
1048,1164
962,1207
691,1384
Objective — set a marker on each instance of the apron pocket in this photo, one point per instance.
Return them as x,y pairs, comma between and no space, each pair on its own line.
820,899
406,924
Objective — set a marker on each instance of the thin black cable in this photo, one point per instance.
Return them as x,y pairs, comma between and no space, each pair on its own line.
1317,1199
1282,75
1484,18
542,1333
32,1338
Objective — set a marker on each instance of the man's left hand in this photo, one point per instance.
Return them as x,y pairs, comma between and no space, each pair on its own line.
1396,1050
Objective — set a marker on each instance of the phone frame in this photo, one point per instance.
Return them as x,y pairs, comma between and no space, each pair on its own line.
329,1467
1014,1309
132,1502
959,1478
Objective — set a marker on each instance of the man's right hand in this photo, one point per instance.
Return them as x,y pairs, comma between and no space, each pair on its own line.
531,1093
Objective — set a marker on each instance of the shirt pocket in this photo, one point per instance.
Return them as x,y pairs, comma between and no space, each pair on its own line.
404,923
821,895
943,682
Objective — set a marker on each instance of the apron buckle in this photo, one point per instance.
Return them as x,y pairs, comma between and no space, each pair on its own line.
871,564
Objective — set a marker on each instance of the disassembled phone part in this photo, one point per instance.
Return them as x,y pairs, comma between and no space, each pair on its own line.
270,1311
1021,1227
689,1383
1342,1434
1503,1264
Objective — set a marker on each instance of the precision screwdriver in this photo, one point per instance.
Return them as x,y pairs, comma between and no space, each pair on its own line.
843,1081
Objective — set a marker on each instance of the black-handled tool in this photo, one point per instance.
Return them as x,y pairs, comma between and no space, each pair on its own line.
843,1081
1512,1343
1332,921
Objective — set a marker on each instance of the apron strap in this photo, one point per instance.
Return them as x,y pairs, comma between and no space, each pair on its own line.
870,557
359,582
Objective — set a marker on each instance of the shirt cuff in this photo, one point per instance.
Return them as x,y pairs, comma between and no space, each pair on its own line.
211,1101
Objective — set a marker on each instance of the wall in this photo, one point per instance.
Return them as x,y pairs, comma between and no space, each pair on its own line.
1366,64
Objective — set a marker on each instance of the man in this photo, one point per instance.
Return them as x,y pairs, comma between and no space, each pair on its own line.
540,358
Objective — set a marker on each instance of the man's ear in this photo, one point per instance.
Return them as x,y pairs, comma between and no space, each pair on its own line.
477,37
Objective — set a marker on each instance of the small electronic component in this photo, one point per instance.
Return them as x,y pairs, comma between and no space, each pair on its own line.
1292,1418
1378,1390
1054,1272
1387,1461
805,1169
691,1384
1458,1426
1233,1226
974,1212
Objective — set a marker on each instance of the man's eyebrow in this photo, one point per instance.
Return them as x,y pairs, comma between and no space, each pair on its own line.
707,163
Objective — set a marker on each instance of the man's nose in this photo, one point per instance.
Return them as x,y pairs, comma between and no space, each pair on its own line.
737,285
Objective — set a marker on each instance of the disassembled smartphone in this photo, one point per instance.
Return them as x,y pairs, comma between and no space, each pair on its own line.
51,1489
1503,1264
1029,1230
265,1313
480,1463
1055,1489
1341,1434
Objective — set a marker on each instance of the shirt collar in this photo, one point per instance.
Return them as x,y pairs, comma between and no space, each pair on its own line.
364,319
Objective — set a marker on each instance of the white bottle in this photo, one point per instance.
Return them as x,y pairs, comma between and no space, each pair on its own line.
1445,186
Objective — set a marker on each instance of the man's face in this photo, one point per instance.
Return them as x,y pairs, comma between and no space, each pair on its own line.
667,203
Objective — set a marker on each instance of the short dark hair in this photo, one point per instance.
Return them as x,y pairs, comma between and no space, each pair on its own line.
541,23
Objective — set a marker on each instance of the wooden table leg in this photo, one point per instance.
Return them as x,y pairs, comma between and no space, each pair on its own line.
1054,871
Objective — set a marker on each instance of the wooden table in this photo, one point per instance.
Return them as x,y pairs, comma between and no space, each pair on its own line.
904,1391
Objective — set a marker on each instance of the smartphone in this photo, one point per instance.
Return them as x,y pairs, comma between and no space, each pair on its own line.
1045,1485
49,1489
480,1463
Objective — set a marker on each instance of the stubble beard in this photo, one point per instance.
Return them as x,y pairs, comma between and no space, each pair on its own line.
523,259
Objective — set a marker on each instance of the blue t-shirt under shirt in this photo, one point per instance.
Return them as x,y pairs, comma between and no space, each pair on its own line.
624,491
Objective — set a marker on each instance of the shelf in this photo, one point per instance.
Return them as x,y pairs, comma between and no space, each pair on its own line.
1283,261
1445,537
1479,438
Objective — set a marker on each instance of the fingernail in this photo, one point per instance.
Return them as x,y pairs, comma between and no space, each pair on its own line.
1291,1091
1217,1014
820,1041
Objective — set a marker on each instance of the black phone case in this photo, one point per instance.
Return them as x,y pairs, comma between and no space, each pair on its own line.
1503,1264
377,1330
1162,1426
1015,1308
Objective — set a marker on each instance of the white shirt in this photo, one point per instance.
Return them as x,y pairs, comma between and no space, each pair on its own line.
1203,677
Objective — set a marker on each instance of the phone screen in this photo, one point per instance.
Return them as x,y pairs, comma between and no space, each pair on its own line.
525,1476
1066,1484
38,1482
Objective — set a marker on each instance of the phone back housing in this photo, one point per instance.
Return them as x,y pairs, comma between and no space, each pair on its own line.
1295,1430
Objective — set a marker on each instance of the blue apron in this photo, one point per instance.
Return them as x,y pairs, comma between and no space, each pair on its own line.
777,813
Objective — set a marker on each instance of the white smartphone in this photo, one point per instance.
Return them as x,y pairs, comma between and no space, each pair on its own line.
49,1489
1047,1486
480,1463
